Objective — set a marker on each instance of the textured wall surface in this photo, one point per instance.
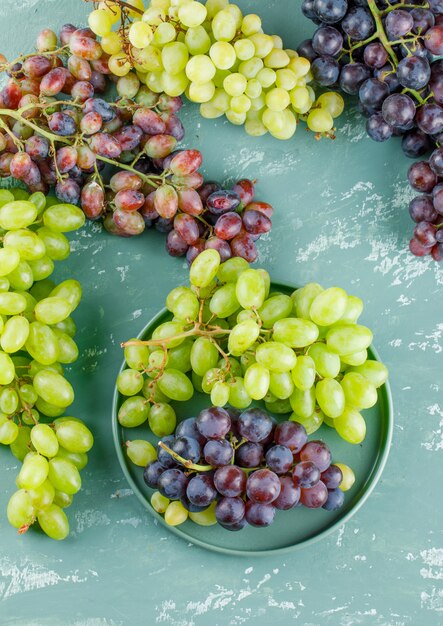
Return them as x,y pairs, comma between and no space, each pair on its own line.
341,218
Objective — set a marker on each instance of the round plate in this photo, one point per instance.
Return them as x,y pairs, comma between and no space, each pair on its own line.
291,529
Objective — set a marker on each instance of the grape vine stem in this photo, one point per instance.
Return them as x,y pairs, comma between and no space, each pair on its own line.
185,462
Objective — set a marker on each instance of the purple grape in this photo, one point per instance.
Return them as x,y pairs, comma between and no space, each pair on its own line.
415,144
222,201
375,55
373,92
306,50
101,107
292,435
421,177
200,490
315,497
188,448
325,70
263,486
327,40
398,110
230,510
387,75
289,495
218,452
398,23
213,423
306,474
377,128
332,477
318,453
414,72
233,527
424,232
173,483
307,8
62,124
68,191
163,457
259,515
175,245
352,76
254,425
429,119
421,209
249,454
335,500
188,428
358,24
230,481
330,11
423,20
192,508
152,473
279,459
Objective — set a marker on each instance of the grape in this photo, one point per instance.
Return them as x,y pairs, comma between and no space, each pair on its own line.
54,522
413,72
258,514
172,483
335,500
218,452
421,177
213,423
351,426
249,455
20,511
44,440
279,459
230,481
314,497
188,448
429,119
289,494
332,477
200,490
230,511
152,473
434,40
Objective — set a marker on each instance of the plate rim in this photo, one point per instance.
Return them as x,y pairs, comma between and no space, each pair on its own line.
385,447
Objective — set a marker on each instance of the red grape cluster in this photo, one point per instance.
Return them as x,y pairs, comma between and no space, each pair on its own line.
427,209
56,130
254,467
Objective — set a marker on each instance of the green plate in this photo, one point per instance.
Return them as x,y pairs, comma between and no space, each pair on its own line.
293,529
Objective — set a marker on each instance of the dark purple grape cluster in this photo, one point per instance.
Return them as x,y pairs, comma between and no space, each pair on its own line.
253,467
383,53
59,132
427,209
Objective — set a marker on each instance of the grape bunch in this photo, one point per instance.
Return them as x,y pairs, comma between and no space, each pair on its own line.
36,342
236,339
383,53
236,469
217,57
427,209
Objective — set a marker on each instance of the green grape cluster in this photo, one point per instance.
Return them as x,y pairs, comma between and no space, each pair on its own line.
236,339
36,341
217,57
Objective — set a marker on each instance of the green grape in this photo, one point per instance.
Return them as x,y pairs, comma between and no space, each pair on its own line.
63,218
27,243
150,389
304,297
69,290
197,40
176,514
159,502
330,397
20,511
6,196
303,374
42,344
220,394
256,381
8,432
15,334
328,307
348,338
130,382
4,285
327,363
204,268
22,277
224,301
66,326
374,371
243,315
136,356
162,419
206,517
359,391
21,444
42,496
311,423
232,366
52,310
63,500
42,289
174,57
214,6
48,409
68,350
251,289
303,402
38,199
79,459
279,407
275,308
74,436
224,26
176,385
33,472
294,332
184,307
210,378
167,331
41,268
357,358
238,396
12,303
53,522
351,426
18,193
204,355
35,367
7,369
243,336
348,476
30,416
64,475
281,385
157,361
141,452
53,388
244,49
56,244
223,55
276,356
133,412
17,214
179,358
8,400
230,270
353,310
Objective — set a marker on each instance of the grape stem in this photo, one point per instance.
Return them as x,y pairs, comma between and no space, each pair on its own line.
185,462
196,331
124,5
380,31
23,57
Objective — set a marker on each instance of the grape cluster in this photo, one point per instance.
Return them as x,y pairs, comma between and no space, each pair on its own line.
36,342
427,209
236,339
252,467
219,58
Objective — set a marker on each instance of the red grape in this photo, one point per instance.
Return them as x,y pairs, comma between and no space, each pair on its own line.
317,452
130,222
289,495
159,146
244,246
187,228
53,82
245,189
190,202
228,226
315,497
66,159
260,515
20,165
36,66
230,481
256,223
125,180
129,200
79,68
105,145
92,200
186,162
149,121
166,201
